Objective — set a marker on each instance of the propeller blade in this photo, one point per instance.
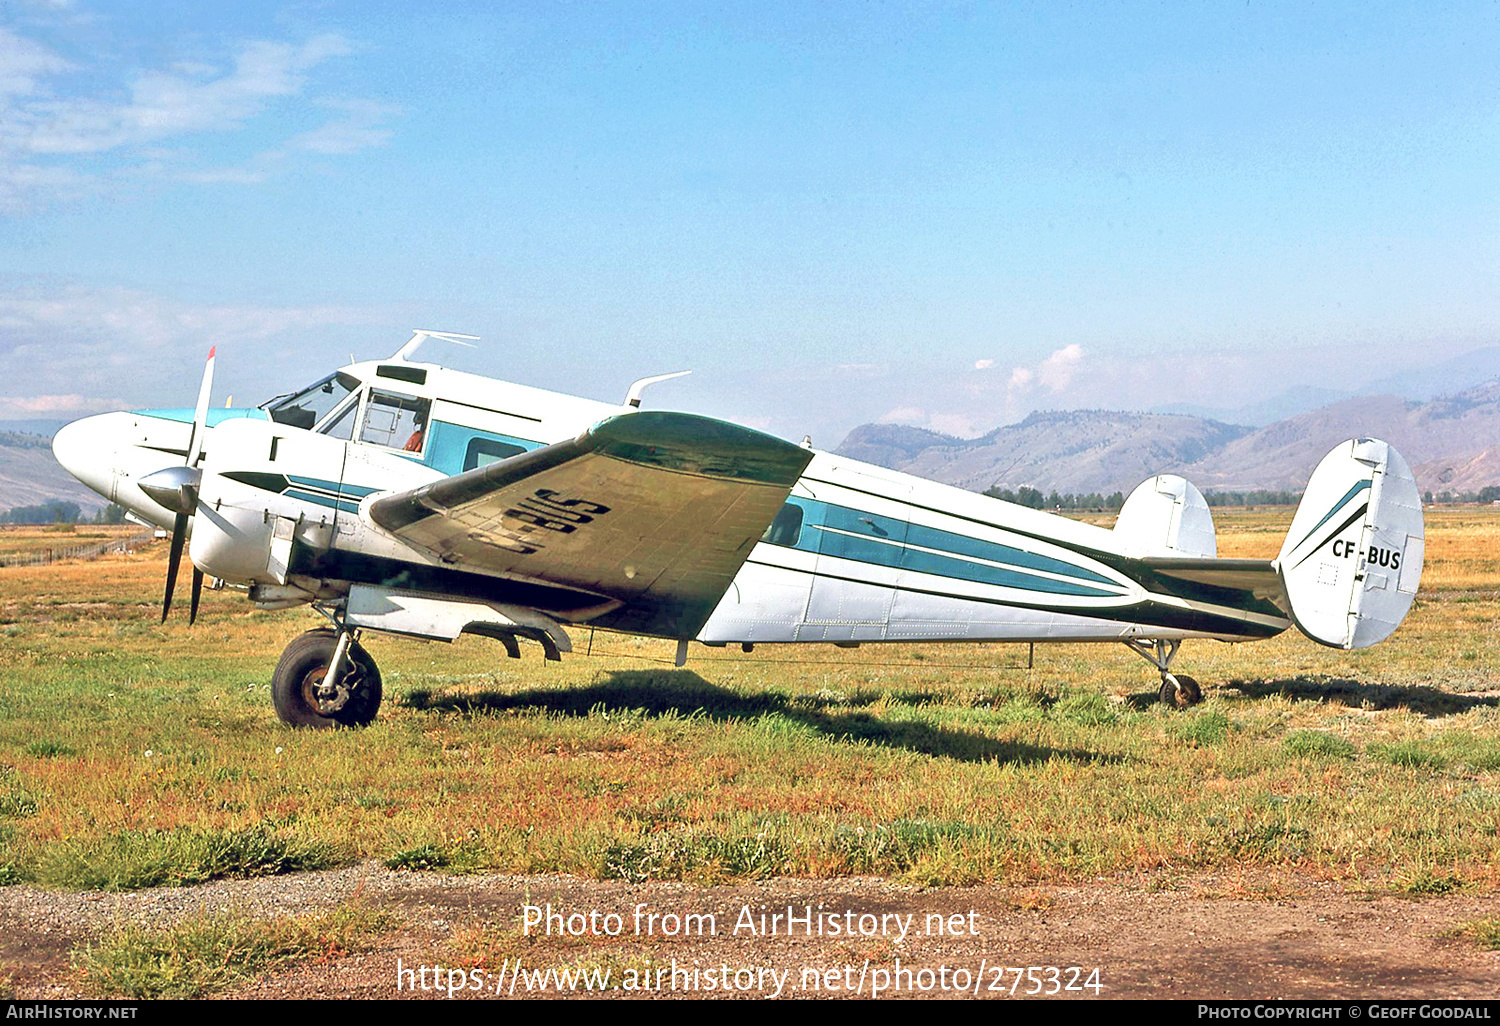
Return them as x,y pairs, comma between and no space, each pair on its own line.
179,535
197,594
177,490
200,413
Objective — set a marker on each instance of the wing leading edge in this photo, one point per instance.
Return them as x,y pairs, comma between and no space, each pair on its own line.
654,510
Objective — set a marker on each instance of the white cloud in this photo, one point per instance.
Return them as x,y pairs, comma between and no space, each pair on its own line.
164,104
983,364
959,425
1056,371
23,63
360,128
857,370
910,415
54,144
86,345
44,405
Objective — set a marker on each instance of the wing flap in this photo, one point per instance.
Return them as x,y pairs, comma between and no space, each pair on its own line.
657,510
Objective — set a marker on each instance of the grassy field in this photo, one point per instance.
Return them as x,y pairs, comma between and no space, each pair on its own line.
28,538
133,754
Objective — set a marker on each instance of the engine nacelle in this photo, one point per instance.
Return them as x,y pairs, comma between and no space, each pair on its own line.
254,503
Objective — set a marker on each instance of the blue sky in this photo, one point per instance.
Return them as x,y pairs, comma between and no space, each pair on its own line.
937,214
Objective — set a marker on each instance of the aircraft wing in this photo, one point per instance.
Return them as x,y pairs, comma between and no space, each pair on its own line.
655,510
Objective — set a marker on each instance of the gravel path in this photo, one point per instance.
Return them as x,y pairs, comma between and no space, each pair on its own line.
1272,937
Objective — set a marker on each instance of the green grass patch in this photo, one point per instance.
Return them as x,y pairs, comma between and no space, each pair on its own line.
1427,883
1409,754
681,854
1318,744
1209,727
1089,708
130,861
1483,932
211,953
49,749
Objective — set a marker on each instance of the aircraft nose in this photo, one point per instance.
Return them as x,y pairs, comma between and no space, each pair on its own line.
86,450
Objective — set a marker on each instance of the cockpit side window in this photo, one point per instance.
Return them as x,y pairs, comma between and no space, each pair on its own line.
396,421
305,408
340,424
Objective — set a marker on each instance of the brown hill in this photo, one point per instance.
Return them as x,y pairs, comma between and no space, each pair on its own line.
1066,451
1433,436
1448,441
29,475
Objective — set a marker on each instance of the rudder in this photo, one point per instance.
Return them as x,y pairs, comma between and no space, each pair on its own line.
1352,560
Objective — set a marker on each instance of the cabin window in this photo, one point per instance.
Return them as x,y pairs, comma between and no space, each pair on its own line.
395,421
786,529
484,451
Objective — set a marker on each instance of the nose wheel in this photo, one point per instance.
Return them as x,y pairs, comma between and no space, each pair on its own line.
1178,690
326,679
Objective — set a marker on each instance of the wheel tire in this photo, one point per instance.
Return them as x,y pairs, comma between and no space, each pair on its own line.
1191,692
300,671
1169,694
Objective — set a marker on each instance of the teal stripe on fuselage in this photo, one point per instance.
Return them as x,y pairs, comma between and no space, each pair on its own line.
215,417
852,534
342,505
358,491
964,545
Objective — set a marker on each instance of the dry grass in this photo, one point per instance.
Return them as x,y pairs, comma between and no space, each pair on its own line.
15,539
935,764
213,952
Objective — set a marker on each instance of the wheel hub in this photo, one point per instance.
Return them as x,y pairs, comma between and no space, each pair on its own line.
327,698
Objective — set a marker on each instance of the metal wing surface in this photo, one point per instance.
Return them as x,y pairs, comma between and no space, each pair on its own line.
655,510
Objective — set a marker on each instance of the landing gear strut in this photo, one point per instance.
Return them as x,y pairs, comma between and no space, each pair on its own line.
1177,690
326,679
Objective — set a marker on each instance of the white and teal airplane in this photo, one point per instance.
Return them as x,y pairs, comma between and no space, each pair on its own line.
407,498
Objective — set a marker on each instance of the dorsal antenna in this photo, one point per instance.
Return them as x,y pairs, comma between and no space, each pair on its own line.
420,335
633,397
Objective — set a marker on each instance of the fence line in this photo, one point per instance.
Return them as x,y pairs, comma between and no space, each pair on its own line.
90,550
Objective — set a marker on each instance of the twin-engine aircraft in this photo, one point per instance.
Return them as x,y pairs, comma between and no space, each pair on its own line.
406,498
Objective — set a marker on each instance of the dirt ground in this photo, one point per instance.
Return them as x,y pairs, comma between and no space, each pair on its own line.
1195,938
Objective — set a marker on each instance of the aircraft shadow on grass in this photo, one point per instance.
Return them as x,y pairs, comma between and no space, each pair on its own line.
685,693
1355,694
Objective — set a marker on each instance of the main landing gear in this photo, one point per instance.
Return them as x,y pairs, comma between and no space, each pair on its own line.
326,679
1177,690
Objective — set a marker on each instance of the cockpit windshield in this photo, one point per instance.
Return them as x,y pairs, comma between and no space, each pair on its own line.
306,408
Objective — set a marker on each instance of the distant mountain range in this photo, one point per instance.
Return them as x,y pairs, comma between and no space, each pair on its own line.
1453,443
1459,372
30,475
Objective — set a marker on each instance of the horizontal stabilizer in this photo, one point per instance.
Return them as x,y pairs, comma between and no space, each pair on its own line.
1352,560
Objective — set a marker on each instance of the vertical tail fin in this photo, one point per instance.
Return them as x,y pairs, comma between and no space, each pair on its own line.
1352,560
